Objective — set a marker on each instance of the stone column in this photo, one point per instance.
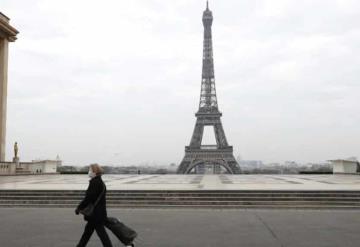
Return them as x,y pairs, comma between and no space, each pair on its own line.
7,34
3,94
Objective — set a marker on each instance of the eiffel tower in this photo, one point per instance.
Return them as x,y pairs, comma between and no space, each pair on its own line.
198,156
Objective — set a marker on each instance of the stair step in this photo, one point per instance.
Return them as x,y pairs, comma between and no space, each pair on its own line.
183,198
298,206
224,194
204,199
134,202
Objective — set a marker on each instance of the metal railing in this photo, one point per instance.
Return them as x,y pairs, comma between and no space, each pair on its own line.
208,147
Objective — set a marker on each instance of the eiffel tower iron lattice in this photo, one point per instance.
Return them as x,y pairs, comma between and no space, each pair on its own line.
196,154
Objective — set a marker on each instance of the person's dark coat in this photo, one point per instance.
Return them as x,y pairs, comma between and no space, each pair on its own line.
96,187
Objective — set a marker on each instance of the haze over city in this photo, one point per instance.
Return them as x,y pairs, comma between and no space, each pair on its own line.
120,83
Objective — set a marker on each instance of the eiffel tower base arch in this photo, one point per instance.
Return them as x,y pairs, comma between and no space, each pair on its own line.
223,158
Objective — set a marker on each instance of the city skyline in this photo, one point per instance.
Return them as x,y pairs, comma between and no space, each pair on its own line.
120,84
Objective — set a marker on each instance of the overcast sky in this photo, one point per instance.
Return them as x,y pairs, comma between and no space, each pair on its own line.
118,82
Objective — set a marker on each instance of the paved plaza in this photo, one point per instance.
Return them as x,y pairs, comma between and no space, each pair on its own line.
186,182
188,228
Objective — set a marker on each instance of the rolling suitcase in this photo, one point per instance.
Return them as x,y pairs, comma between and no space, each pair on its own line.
125,234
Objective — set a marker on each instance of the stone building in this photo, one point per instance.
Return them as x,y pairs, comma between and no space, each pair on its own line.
345,166
27,168
7,34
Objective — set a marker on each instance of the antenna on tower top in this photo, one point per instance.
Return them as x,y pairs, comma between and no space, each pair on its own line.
207,5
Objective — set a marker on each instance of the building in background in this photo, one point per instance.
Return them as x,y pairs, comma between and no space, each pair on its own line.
345,166
33,167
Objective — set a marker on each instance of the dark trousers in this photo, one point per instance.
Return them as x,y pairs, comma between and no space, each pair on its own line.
100,230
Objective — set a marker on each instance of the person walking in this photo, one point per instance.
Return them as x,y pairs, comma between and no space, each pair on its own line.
95,198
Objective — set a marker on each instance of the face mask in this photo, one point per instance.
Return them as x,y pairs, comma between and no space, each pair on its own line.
91,174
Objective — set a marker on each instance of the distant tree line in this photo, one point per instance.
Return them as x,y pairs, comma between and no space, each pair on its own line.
119,170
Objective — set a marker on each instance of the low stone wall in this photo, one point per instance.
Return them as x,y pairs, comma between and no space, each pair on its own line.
7,168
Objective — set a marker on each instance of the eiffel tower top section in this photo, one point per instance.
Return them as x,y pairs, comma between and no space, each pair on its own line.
208,101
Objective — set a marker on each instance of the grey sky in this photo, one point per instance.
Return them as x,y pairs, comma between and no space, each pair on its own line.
118,82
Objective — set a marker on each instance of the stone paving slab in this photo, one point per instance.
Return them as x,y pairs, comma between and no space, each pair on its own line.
185,182
188,228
